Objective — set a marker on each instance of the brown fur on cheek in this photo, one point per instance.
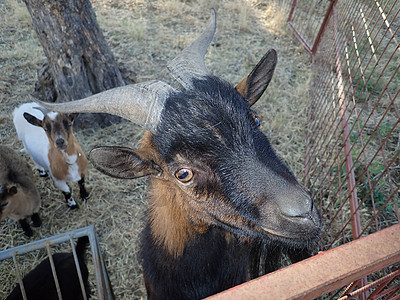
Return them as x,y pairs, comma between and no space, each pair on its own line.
172,220
168,216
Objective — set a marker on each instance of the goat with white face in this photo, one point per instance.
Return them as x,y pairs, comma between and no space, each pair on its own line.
217,188
50,141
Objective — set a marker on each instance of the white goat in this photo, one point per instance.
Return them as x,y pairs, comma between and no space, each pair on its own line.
50,141
19,198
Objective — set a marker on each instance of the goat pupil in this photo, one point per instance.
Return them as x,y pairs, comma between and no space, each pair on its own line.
183,175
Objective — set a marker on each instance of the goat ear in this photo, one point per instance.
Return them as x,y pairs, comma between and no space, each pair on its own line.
122,162
73,116
253,86
33,120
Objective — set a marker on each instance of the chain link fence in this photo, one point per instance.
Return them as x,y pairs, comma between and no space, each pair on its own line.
353,140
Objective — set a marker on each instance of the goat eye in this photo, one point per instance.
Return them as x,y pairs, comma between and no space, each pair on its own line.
67,124
254,119
184,175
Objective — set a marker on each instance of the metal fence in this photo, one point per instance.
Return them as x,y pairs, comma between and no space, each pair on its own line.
353,132
353,141
103,289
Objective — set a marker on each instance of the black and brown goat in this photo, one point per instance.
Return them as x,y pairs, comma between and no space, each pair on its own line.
217,190
19,197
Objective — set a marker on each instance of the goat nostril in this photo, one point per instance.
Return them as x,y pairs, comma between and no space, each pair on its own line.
60,142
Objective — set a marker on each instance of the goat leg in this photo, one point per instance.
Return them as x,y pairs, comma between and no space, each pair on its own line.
42,172
84,194
71,203
25,226
36,220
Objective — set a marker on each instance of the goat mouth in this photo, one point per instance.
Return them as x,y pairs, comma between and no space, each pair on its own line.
297,234
61,148
275,233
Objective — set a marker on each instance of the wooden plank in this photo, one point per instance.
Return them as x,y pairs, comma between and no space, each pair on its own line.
324,272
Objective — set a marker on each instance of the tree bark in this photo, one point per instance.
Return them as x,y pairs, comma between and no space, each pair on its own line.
80,62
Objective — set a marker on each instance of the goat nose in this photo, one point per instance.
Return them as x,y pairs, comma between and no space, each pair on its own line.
307,212
297,205
60,142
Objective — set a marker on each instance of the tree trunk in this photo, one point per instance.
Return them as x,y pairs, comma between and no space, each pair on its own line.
80,62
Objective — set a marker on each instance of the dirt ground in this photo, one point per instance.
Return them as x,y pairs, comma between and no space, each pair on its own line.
144,36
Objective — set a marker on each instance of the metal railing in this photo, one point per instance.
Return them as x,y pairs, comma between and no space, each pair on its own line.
104,289
328,271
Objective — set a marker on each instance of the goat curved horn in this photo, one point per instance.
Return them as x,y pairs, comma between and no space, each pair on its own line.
140,103
190,64
42,109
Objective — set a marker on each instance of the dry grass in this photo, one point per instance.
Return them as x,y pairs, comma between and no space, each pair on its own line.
144,36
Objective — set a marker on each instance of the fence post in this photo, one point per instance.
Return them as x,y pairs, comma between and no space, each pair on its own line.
323,26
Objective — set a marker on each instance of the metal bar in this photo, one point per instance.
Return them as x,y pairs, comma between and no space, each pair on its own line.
20,281
308,142
392,291
384,282
325,272
356,224
78,268
108,288
369,286
36,245
292,10
96,263
53,270
300,38
347,290
323,26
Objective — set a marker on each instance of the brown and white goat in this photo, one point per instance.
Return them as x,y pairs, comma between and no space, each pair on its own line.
218,192
19,198
50,141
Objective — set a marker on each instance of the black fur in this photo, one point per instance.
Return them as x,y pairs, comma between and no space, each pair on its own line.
199,126
214,129
209,264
